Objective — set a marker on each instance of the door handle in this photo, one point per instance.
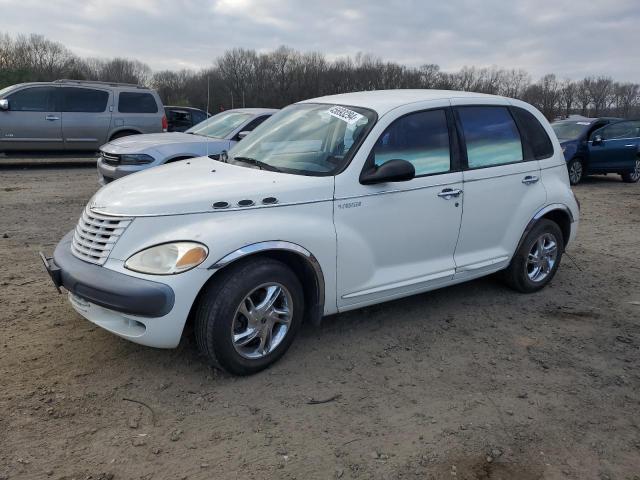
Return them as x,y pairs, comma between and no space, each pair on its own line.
51,118
632,145
530,179
449,193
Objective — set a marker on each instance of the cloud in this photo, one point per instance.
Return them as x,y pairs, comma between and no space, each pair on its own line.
571,38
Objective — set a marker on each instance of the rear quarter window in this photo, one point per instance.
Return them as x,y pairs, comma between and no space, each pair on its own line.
137,102
534,135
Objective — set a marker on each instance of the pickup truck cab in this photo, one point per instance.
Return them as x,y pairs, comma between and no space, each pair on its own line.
334,204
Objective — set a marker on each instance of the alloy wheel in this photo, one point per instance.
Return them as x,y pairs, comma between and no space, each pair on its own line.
542,257
575,171
635,175
262,321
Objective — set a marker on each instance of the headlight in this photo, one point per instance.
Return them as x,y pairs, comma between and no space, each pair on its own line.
137,159
168,258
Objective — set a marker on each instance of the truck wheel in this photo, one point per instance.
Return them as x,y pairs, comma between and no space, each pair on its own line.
632,177
576,171
247,318
538,258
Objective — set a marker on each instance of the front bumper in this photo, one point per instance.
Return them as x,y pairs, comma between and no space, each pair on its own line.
108,173
107,288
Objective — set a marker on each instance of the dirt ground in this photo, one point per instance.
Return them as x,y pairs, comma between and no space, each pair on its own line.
469,382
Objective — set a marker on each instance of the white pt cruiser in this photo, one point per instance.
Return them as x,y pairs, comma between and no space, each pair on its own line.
332,204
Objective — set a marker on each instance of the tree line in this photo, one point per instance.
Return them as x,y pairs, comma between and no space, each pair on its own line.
244,77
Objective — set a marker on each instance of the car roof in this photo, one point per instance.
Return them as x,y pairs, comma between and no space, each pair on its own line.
82,83
383,101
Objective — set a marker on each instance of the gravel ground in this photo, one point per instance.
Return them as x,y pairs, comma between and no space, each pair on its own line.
469,382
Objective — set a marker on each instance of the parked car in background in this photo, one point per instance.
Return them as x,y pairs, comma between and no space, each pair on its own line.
600,145
215,135
333,204
75,115
183,118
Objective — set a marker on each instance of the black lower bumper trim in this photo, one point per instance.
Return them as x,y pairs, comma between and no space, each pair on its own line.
107,288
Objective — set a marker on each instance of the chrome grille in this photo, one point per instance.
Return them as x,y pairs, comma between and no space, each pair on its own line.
110,158
95,236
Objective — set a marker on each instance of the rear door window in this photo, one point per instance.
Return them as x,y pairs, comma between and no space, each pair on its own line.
84,100
137,102
491,136
421,138
33,99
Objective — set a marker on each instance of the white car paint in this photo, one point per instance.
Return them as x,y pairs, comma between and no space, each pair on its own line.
372,243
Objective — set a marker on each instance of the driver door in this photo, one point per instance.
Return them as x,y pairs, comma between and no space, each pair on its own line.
396,239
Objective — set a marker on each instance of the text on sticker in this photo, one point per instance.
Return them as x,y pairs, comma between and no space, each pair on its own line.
345,114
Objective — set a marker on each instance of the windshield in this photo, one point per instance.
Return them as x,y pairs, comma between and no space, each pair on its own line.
306,139
570,130
220,125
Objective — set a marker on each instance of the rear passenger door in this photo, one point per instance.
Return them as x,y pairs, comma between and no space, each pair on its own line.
86,116
502,187
617,149
32,121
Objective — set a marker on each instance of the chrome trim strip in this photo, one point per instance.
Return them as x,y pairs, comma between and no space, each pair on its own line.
212,210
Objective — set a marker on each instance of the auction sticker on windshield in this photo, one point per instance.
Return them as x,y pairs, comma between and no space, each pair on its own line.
345,114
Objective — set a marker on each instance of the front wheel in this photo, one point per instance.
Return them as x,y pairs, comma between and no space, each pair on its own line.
576,171
538,258
247,318
632,177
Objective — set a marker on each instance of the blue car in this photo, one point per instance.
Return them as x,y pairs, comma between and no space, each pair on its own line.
600,145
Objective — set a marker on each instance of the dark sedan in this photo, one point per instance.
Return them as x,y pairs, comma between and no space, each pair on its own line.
600,145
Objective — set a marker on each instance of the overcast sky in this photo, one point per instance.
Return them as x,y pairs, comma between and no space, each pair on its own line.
570,38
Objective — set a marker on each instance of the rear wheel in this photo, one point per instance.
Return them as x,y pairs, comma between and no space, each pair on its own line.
248,317
576,171
538,258
632,177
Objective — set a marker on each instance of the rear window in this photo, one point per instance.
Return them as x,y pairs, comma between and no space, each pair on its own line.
137,102
534,135
491,136
84,100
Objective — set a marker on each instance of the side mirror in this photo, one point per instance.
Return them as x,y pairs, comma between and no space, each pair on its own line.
597,139
4,104
391,171
243,134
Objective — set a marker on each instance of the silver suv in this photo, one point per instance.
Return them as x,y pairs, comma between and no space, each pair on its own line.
75,115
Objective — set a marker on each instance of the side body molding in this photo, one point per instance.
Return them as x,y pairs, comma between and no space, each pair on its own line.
315,312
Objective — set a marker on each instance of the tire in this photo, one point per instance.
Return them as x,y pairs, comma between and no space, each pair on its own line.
576,171
521,274
632,177
219,313
124,133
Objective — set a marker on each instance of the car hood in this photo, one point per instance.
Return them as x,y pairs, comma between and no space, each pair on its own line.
155,141
193,186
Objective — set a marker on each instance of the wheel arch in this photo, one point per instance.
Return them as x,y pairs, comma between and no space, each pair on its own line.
119,131
178,158
303,263
559,214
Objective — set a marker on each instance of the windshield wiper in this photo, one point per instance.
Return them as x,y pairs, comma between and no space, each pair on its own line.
257,163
